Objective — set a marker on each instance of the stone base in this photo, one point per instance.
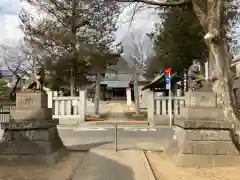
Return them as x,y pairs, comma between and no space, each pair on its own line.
35,142
203,148
39,159
30,114
211,114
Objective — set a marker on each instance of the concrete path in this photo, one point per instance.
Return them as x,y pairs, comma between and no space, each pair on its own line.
110,165
154,139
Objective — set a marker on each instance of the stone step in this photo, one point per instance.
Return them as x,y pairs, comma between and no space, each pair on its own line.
203,124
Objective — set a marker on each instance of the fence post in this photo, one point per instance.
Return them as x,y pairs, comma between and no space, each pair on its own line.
158,104
50,100
185,81
55,93
55,106
206,71
150,108
82,106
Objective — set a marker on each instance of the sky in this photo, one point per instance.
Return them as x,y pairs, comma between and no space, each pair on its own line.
10,30
9,21
142,23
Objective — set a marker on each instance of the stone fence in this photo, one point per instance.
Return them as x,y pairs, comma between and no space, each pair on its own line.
68,109
159,106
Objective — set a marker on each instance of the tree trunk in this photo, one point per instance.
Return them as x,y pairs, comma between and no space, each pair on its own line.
219,47
74,49
97,93
210,14
223,86
13,92
136,94
72,83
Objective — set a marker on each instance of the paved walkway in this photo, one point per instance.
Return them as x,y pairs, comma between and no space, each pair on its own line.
110,165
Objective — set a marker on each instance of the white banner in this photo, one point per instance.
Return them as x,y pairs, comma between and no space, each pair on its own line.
129,96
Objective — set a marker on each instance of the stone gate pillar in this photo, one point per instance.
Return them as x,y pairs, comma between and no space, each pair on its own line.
202,137
31,135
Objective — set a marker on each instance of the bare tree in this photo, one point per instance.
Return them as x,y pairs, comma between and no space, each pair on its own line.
19,61
140,51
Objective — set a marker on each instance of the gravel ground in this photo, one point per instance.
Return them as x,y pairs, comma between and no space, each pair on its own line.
106,107
64,170
166,170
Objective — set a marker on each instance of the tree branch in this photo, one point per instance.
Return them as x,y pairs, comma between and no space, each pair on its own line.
160,3
82,23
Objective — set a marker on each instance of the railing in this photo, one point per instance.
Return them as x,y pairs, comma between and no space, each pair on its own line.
68,107
5,112
162,105
159,107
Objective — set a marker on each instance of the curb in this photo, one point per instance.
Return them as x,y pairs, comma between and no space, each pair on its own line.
71,176
65,128
121,123
148,167
92,126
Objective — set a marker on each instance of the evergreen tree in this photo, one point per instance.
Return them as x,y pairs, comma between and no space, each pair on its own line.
69,33
178,40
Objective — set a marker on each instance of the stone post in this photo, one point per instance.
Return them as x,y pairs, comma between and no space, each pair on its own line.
150,107
31,136
82,106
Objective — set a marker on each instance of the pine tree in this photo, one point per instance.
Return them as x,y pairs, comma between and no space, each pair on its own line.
179,40
69,33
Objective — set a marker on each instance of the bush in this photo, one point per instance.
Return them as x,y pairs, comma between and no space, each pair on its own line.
4,89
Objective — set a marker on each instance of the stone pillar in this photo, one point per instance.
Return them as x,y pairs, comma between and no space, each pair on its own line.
203,138
238,70
50,98
82,106
206,72
150,107
31,136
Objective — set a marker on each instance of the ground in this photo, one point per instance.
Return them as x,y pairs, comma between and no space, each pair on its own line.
109,107
64,170
126,163
115,110
164,169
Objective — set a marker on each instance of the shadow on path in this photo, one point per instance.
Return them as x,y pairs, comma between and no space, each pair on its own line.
87,147
101,166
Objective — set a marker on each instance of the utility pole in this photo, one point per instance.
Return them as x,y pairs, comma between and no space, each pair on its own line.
167,73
